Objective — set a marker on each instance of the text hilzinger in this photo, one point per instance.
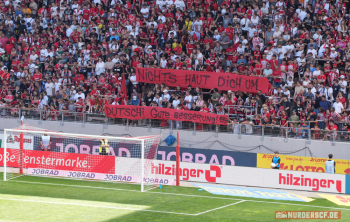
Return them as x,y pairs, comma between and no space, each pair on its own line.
315,183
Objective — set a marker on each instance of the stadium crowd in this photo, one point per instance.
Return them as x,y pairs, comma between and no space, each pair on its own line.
71,56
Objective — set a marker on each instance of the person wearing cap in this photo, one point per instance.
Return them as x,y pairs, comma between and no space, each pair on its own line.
333,53
166,94
252,30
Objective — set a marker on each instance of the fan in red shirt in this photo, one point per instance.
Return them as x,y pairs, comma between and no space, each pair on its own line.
277,77
8,47
178,63
210,61
153,38
189,3
102,79
178,49
207,40
94,91
284,118
327,68
54,113
229,52
4,74
80,105
106,86
37,76
241,10
332,130
258,68
75,35
190,47
333,75
78,78
342,99
9,97
86,13
241,68
59,65
321,77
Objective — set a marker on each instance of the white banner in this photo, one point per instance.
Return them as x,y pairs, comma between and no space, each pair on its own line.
13,141
250,176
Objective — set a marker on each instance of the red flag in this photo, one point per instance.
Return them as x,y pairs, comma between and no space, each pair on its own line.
123,88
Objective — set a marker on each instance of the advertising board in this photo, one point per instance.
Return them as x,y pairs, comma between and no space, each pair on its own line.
217,157
302,163
192,172
250,176
60,161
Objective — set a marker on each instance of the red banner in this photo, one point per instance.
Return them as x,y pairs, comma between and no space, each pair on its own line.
60,161
206,80
147,112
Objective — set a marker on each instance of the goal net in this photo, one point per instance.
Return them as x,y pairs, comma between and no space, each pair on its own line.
39,152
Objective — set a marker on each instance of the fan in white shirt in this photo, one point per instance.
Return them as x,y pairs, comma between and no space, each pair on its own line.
338,106
316,73
162,17
163,62
241,49
75,6
302,15
134,33
160,3
145,11
168,3
113,47
197,25
312,51
343,84
152,23
333,53
179,4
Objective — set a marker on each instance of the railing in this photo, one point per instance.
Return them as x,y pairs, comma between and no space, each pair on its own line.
239,128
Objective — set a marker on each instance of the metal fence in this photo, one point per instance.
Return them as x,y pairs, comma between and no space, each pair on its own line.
245,128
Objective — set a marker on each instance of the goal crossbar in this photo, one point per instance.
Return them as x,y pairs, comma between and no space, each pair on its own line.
72,134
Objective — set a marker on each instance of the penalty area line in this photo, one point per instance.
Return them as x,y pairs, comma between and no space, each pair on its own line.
179,194
218,208
96,206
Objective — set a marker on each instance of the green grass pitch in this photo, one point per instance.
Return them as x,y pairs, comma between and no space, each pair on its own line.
29,198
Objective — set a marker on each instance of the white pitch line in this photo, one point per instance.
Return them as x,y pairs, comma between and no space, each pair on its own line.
96,206
179,194
219,208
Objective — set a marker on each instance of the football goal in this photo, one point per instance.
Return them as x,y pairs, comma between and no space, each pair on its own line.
33,151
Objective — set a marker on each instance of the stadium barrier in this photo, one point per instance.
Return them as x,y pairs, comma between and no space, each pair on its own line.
240,129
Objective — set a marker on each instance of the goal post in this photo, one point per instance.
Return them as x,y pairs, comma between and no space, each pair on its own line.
4,155
39,152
